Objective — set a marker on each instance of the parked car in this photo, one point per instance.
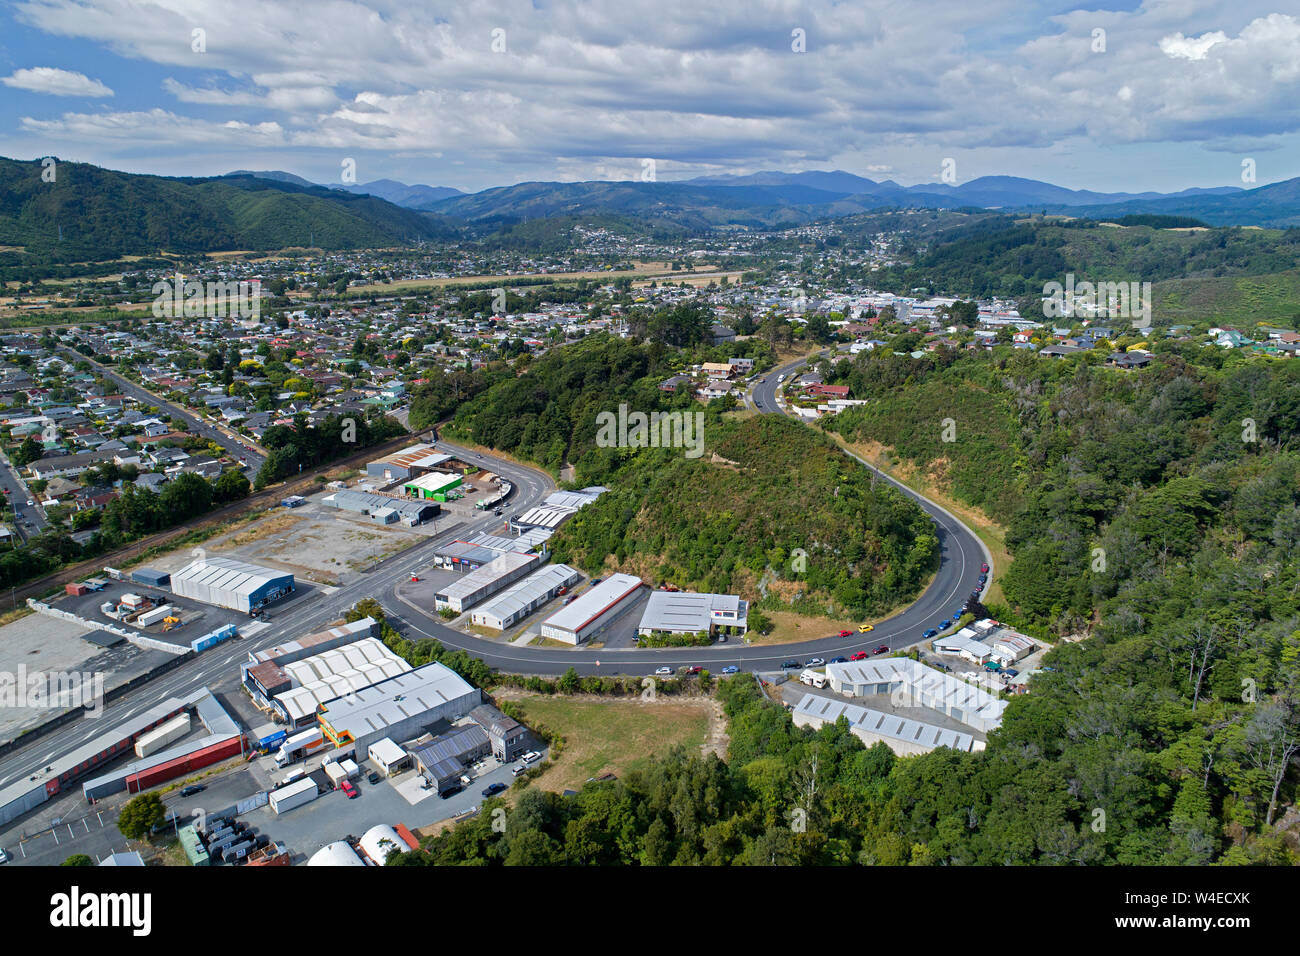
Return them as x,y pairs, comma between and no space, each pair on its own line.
984,569
882,649
844,634
866,628
414,579
531,757
4,855
695,669
984,579
816,662
451,791
790,665
731,669
595,581
664,671
492,789
519,769
373,777
930,633
192,789
570,599
351,791
859,656
839,660
561,591
1011,672
945,624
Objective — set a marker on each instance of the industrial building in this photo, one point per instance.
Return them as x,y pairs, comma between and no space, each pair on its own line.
462,557
433,486
233,584
480,584
336,854
409,463
903,736
918,685
521,599
963,644
594,611
334,673
545,518
399,708
442,761
382,508
34,789
679,612
381,841
508,737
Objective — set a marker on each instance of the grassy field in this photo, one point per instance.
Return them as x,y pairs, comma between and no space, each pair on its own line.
614,735
1237,300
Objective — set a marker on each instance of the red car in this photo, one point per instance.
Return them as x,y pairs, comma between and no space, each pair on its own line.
984,569
697,669
859,656
351,791
882,649
846,634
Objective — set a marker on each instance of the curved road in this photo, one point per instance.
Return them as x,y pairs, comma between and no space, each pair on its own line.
959,569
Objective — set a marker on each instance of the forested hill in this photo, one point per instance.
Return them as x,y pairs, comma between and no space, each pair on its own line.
1142,519
90,213
731,518
1014,258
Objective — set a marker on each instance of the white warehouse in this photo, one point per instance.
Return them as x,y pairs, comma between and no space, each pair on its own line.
228,583
904,736
914,684
523,598
596,610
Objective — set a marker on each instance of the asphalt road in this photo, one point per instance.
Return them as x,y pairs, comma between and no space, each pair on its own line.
959,569
29,520
252,459
962,554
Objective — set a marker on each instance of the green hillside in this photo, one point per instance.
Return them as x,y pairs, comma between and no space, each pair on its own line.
92,214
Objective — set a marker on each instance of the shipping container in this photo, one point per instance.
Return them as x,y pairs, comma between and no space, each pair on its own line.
158,738
231,747
150,577
154,616
294,795
76,589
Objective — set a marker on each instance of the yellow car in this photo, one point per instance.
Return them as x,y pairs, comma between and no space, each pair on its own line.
864,628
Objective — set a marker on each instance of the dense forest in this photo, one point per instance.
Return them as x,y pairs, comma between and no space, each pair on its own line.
548,412
730,521
1087,769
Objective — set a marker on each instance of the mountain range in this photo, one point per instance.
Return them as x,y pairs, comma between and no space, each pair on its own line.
88,212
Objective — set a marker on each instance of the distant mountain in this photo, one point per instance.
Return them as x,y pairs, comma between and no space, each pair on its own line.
93,213
986,191
400,194
275,175
1276,206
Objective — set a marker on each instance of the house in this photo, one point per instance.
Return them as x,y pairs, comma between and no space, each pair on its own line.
719,370
714,390
1128,360
742,365
1059,351
829,391
722,334
674,383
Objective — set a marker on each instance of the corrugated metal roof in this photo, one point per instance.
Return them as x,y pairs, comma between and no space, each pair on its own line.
912,732
593,603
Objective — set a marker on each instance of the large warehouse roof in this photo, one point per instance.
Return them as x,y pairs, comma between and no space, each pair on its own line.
526,592
935,687
395,700
484,575
337,672
335,854
217,576
594,602
913,732
680,611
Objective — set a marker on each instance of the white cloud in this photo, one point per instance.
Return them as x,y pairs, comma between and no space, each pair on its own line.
56,82
1191,48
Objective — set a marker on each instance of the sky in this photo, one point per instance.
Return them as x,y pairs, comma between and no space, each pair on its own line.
1161,95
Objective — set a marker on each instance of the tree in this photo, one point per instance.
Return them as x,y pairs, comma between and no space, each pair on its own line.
140,815
29,451
78,859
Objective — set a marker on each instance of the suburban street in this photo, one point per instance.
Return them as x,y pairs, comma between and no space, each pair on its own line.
237,448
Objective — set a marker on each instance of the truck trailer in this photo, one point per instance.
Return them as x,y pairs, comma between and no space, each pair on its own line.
298,745
158,738
154,616
294,795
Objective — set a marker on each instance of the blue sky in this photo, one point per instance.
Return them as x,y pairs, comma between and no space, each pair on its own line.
1136,96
